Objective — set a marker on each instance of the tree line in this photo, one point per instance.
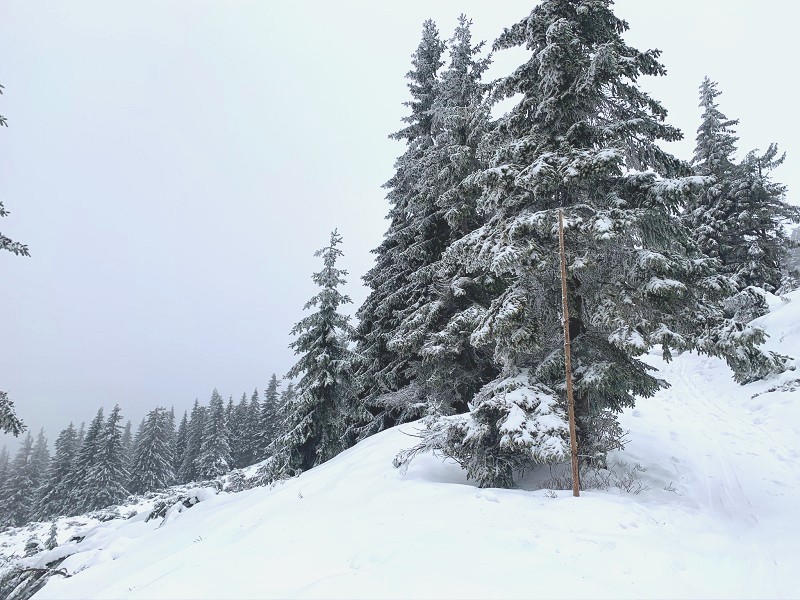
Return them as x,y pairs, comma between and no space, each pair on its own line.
103,464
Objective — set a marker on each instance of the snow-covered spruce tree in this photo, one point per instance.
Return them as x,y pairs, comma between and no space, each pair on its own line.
269,420
18,491
173,431
792,263
9,422
194,439
180,442
233,425
105,483
40,463
52,537
582,137
215,452
81,433
236,418
738,216
761,220
5,474
53,496
153,463
127,444
316,417
242,434
382,373
434,329
4,464
76,482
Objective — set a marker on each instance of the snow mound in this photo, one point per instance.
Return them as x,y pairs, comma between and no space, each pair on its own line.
714,516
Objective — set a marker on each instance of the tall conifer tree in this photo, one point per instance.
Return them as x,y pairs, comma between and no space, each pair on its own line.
153,464
78,476
19,489
316,417
215,452
53,496
180,442
194,440
106,480
740,213
269,420
583,138
40,462
434,328
383,373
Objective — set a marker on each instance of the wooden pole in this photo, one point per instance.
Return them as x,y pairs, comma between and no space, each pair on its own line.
573,439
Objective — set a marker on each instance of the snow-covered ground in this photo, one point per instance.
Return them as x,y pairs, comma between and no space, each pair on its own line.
717,516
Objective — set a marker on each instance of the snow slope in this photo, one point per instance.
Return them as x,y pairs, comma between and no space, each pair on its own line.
717,516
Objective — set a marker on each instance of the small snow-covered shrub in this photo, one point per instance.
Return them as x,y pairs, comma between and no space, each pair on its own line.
179,502
513,425
273,470
747,305
105,514
236,481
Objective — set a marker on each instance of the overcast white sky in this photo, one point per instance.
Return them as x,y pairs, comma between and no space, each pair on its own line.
173,165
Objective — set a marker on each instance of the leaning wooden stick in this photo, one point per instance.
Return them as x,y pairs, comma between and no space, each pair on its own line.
573,439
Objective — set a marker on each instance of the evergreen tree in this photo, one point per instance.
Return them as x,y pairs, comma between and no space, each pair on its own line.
40,462
5,473
9,422
153,465
127,444
215,452
19,491
269,421
5,476
52,537
739,214
4,465
173,432
194,438
793,260
77,480
53,496
316,418
252,438
434,331
106,479
230,419
181,440
583,137
237,423
761,220
382,373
